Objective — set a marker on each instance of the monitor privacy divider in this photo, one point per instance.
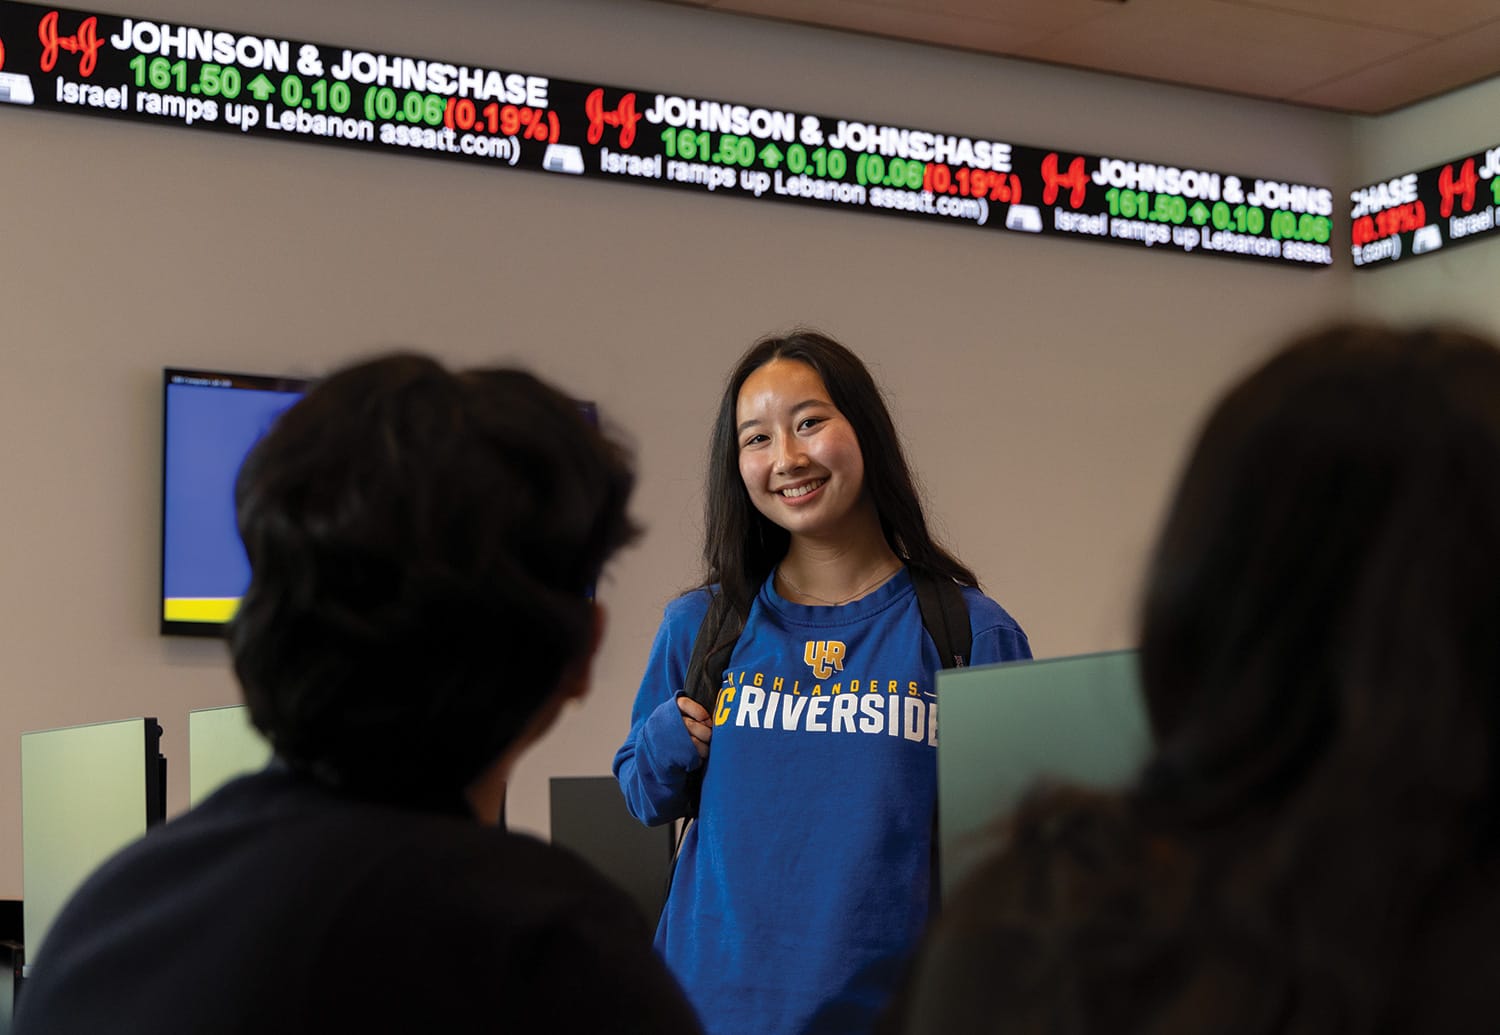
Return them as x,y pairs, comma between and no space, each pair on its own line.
86,792
1006,728
589,817
222,744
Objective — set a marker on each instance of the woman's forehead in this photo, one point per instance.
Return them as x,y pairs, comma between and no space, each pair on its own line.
782,382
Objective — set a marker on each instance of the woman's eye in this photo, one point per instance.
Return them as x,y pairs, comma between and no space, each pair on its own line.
810,422
753,440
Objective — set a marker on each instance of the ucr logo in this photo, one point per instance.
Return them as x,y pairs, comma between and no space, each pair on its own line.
825,656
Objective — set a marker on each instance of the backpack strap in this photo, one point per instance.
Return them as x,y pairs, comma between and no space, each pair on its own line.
714,642
717,634
946,617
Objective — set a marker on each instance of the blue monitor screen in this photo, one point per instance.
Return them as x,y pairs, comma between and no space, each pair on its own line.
212,419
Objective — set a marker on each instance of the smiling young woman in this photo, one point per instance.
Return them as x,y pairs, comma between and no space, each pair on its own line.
801,465
805,881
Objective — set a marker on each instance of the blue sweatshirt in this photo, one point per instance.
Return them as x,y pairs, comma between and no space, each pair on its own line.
804,883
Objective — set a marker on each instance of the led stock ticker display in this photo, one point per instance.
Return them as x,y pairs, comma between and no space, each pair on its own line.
1421,213
155,72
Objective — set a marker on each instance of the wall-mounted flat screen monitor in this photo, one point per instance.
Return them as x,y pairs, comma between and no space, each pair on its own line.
86,792
222,744
211,419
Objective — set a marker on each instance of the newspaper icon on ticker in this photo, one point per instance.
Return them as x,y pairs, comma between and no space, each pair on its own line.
16,89
563,158
1026,218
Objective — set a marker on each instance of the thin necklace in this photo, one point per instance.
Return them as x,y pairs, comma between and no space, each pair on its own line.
861,591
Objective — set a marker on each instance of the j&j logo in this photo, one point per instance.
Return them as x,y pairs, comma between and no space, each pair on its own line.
1075,179
85,43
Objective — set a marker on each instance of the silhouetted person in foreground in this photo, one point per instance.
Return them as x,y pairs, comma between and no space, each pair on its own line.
1312,847
423,546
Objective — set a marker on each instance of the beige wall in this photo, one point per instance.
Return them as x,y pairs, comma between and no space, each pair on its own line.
1456,284
1046,388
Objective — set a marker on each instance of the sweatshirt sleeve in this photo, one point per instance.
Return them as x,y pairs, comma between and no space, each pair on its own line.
997,636
658,754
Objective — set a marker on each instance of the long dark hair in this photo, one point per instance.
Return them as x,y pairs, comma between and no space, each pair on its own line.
1321,658
1313,846
1325,594
422,545
740,546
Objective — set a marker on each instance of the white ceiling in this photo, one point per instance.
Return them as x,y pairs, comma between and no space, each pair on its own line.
1360,56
